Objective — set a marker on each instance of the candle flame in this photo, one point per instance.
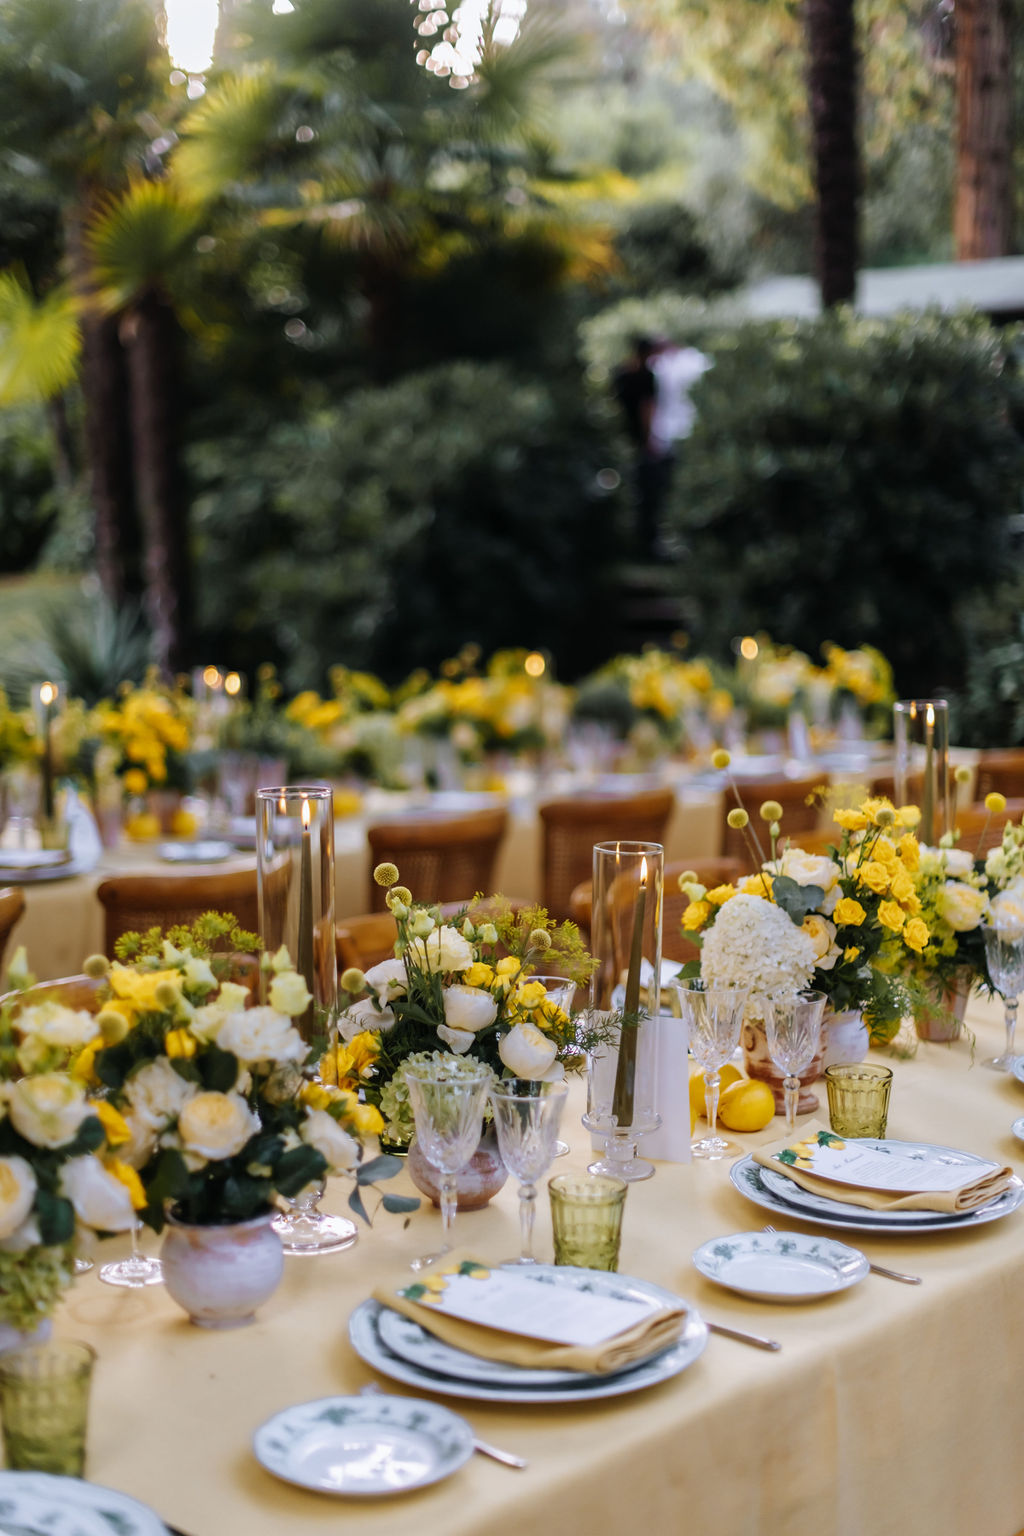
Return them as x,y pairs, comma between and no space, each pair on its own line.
535,665
929,715
47,693
306,813
643,870
211,677
282,805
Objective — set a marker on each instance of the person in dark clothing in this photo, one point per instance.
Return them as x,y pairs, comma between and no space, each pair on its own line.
635,389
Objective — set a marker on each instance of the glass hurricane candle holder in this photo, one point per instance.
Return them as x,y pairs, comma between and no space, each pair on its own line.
295,872
921,739
626,923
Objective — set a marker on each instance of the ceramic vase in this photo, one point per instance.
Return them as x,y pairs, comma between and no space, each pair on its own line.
758,1062
846,1037
221,1274
944,1020
479,1181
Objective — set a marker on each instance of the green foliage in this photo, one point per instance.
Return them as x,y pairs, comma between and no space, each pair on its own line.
39,341
77,638
853,479
29,502
214,935
662,247
989,710
460,500
32,1283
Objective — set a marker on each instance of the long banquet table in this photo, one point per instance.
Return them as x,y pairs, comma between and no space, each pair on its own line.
891,1410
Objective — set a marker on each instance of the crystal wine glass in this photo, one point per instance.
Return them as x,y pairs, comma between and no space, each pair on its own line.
793,1025
560,992
526,1118
136,1270
714,1016
1005,958
447,1104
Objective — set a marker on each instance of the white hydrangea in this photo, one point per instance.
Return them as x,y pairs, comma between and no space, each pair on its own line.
754,944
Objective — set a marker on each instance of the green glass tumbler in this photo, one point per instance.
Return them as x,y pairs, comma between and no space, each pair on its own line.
586,1219
44,1407
858,1098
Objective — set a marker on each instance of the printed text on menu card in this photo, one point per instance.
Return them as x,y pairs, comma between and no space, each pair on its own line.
870,1168
538,1310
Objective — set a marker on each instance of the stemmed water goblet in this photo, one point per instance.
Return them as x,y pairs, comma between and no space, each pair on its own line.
714,1016
560,993
447,1101
136,1270
1005,959
526,1119
793,1026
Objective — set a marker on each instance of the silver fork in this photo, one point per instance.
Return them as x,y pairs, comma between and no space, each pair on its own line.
877,1269
506,1458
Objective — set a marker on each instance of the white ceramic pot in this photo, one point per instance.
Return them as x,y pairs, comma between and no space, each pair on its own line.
221,1274
846,1037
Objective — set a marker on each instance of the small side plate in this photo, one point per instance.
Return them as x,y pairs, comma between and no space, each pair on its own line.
207,850
1018,1128
780,1266
362,1447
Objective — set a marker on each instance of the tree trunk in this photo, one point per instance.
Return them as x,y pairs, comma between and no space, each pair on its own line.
150,333
983,218
832,88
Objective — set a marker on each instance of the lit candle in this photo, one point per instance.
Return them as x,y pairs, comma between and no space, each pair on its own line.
47,695
928,798
304,961
625,1071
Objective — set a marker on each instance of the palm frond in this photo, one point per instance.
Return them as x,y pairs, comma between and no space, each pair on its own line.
225,138
509,75
80,640
138,240
39,341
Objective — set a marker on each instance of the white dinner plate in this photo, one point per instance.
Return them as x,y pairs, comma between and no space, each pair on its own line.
33,858
805,1200
205,850
780,1266
362,1447
35,1502
405,1338
745,1176
1018,1068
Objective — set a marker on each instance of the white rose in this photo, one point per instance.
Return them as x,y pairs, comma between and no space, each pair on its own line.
959,862
156,1094
457,1040
100,1200
338,1148
364,1015
207,1022
962,906
231,997
1006,914
17,1192
447,950
47,1110
995,866
137,1151
809,868
289,994
469,1008
388,979
59,1026
24,1237
216,1125
822,935
199,975
526,1051
261,1034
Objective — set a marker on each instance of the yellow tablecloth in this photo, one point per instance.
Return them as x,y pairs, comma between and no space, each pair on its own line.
63,921
891,1410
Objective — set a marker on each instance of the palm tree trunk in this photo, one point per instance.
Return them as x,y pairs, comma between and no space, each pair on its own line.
150,333
832,86
983,217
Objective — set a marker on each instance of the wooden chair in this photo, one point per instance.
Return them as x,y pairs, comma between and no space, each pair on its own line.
365,940
157,901
674,944
1001,772
440,858
572,827
12,905
981,830
800,810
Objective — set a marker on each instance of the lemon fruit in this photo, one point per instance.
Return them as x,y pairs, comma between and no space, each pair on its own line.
746,1106
144,827
729,1076
183,824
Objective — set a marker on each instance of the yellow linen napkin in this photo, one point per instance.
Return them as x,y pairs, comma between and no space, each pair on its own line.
648,1337
967,1198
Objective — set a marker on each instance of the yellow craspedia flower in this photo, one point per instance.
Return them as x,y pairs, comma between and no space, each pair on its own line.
352,979
962,774
367,1119
96,966
915,934
127,1176
401,894
891,915
115,1126
696,915
135,781
720,894
737,819
539,939
720,758
386,874
885,816
771,810
848,913
909,851
995,802
875,876
180,1043
851,821
851,953
115,1019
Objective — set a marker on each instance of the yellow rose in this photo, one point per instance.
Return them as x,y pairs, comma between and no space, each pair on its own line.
891,915
884,852
139,987
875,876
478,975
915,934
127,1176
757,885
114,1124
83,1068
851,953
902,888
720,894
848,913
909,851
696,915
315,1095
851,821
179,1043
367,1119
509,966
135,782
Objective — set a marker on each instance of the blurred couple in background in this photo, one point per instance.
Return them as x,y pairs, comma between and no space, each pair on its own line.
653,390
